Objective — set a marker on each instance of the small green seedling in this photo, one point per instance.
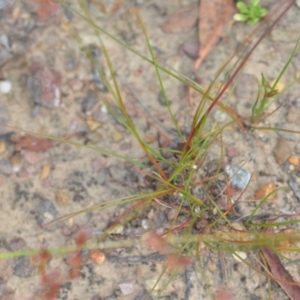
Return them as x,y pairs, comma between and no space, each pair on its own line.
250,15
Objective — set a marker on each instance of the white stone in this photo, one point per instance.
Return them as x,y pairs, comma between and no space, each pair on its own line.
5,86
126,288
240,256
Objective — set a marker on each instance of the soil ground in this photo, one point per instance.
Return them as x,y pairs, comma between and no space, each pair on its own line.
79,177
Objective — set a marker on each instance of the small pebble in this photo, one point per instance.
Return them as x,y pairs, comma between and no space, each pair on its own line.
126,146
62,197
89,101
16,163
5,86
212,267
45,172
190,48
282,151
6,167
98,163
45,212
220,116
150,138
16,244
2,147
92,125
43,88
100,116
117,136
231,151
264,190
172,214
146,224
22,267
2,179
279,86
32,157
97,256
126,288
3,117
295,187
240,256
294,160
94,137
130,109
239,177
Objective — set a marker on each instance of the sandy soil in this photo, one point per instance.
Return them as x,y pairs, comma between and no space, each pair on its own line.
40,184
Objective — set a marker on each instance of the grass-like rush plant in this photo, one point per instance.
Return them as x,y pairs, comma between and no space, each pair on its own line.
171,175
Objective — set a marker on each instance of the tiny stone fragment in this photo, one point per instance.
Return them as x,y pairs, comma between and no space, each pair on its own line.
264,190
5,167
43,88
5,86
100,114
3,117
45,212
239,177
16,163
32,157
89,101
97,256
190,49
126,288
22,267
282,151
2,147
62,197
294,160
240,256
279,86
92,125
45,172
16,244
117,136
295,187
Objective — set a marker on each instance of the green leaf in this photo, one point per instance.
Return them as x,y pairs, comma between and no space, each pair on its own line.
254,3
242,7
253,21
240,17
263,12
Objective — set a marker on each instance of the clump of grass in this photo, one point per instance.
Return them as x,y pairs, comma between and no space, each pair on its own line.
171,174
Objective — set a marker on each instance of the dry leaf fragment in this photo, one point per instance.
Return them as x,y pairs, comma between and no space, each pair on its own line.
215,19
31,143
182,20
281,275
264,190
